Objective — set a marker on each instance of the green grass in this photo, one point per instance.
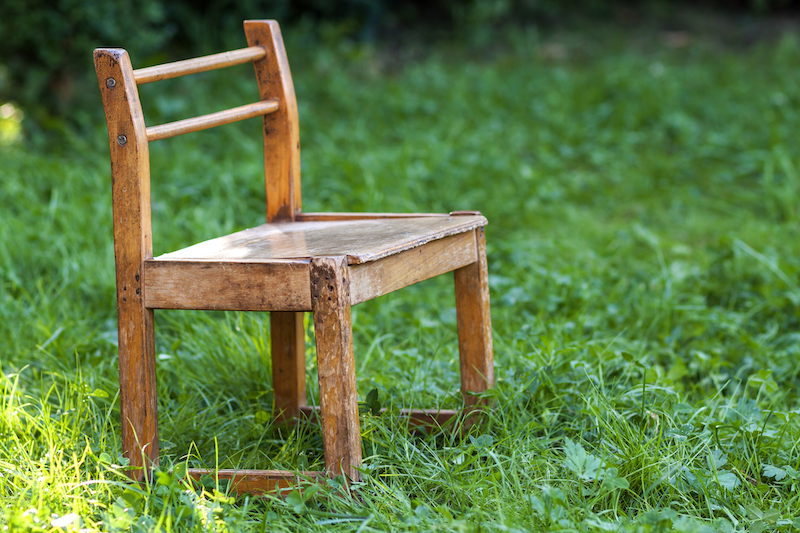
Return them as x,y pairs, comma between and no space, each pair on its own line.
645,276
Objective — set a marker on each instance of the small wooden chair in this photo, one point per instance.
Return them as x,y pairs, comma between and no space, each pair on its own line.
296,262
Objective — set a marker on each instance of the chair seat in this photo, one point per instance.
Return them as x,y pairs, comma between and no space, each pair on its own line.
267,268
362,241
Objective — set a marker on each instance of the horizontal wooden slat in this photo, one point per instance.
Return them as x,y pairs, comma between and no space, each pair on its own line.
323,217
198,64
227,286
258,481
179,127
429,418
418,418
370,280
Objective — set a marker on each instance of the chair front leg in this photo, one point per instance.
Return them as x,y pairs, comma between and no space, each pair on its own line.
474,325
330,301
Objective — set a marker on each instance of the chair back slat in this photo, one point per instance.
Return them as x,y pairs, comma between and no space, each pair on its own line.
129,137
198,64
179,127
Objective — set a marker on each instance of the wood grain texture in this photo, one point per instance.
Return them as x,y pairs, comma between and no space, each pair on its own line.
281,129
376,278
130,173
474,324
227,285
360,240
198,64
258,481
333,330
288,341
203,122
297,262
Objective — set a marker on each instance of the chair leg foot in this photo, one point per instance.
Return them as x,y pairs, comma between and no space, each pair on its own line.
288,363
474,325
137,378
330,300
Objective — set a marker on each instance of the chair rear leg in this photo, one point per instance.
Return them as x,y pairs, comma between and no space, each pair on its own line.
330,301
288,363
137,384
474,325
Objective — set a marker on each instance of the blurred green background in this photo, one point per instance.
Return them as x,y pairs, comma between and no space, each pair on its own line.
44,70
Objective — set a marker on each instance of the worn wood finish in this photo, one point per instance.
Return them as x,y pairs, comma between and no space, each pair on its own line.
333,330
376,278
258,481
474,325
198,64
296,262
130,173
203,122
281,129
361,240
227,285
429,419
283,195
283,198
288,363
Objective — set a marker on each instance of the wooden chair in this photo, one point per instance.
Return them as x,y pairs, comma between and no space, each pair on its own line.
296,262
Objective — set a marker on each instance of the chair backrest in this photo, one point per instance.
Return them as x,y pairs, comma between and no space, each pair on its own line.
129,138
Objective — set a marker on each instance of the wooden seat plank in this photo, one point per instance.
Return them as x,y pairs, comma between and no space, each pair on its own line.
281,284
361,241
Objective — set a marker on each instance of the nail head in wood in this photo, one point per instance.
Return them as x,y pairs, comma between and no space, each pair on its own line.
111,83
122,140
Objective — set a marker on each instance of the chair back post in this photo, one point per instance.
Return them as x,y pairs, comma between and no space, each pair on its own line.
130,155
130,172
281,129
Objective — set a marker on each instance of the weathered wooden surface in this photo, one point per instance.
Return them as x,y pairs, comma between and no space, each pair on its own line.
376,278
474,325
198,64
281,129
287,334
258,481
179,127
429,419
360,240
282,182
333,330
227,285
130,172
324,262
